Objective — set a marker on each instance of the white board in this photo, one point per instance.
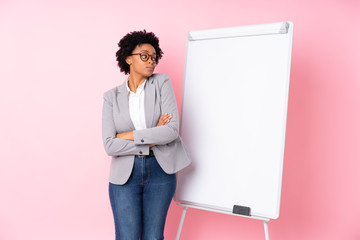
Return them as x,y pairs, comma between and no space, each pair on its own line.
233,117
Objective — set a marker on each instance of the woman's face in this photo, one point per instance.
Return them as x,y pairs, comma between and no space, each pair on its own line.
143,64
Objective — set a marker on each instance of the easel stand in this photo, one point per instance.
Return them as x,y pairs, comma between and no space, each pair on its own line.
186,206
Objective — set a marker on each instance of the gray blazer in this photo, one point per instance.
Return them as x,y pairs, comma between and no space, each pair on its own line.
169,149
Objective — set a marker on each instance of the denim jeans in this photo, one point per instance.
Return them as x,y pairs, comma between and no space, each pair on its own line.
140,206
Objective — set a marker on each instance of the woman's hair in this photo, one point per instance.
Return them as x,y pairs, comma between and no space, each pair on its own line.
130,41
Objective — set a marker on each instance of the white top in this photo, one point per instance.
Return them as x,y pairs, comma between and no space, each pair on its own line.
136,106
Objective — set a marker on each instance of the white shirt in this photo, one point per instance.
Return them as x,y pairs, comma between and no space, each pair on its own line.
137,106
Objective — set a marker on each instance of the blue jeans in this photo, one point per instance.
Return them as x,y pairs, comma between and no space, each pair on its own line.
140,206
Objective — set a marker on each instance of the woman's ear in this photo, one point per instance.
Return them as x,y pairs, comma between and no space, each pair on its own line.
128,60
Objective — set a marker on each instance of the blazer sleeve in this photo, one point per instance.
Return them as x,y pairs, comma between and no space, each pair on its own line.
162,134
116,146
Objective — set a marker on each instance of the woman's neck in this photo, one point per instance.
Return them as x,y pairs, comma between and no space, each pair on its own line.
135,82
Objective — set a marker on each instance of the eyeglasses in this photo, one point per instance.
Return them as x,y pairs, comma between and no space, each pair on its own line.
145,56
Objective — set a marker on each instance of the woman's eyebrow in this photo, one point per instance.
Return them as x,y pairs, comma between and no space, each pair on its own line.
147,51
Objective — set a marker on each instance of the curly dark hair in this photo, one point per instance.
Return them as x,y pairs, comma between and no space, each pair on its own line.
130,41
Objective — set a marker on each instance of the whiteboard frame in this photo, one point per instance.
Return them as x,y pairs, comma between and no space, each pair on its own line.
250,30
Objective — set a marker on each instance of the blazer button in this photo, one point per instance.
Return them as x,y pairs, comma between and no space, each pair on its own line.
140,152
142,140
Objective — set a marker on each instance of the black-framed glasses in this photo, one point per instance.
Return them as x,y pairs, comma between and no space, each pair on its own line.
145,56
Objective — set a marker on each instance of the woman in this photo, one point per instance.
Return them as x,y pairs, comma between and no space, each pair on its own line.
141,133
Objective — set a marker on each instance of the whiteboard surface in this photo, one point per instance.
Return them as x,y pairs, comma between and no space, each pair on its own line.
233,120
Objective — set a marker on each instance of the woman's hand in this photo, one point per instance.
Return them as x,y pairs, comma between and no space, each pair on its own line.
164,119
126,135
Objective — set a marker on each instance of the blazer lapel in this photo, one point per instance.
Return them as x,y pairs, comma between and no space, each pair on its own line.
123,103
149,102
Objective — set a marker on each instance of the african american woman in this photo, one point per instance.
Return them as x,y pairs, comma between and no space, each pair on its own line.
140,128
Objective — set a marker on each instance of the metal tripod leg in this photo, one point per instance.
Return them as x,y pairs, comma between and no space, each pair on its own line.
181,223
266,230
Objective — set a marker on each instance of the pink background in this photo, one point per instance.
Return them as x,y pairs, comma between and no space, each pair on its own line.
57,59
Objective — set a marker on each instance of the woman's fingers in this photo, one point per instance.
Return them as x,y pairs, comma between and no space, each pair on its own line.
167,117
164,119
